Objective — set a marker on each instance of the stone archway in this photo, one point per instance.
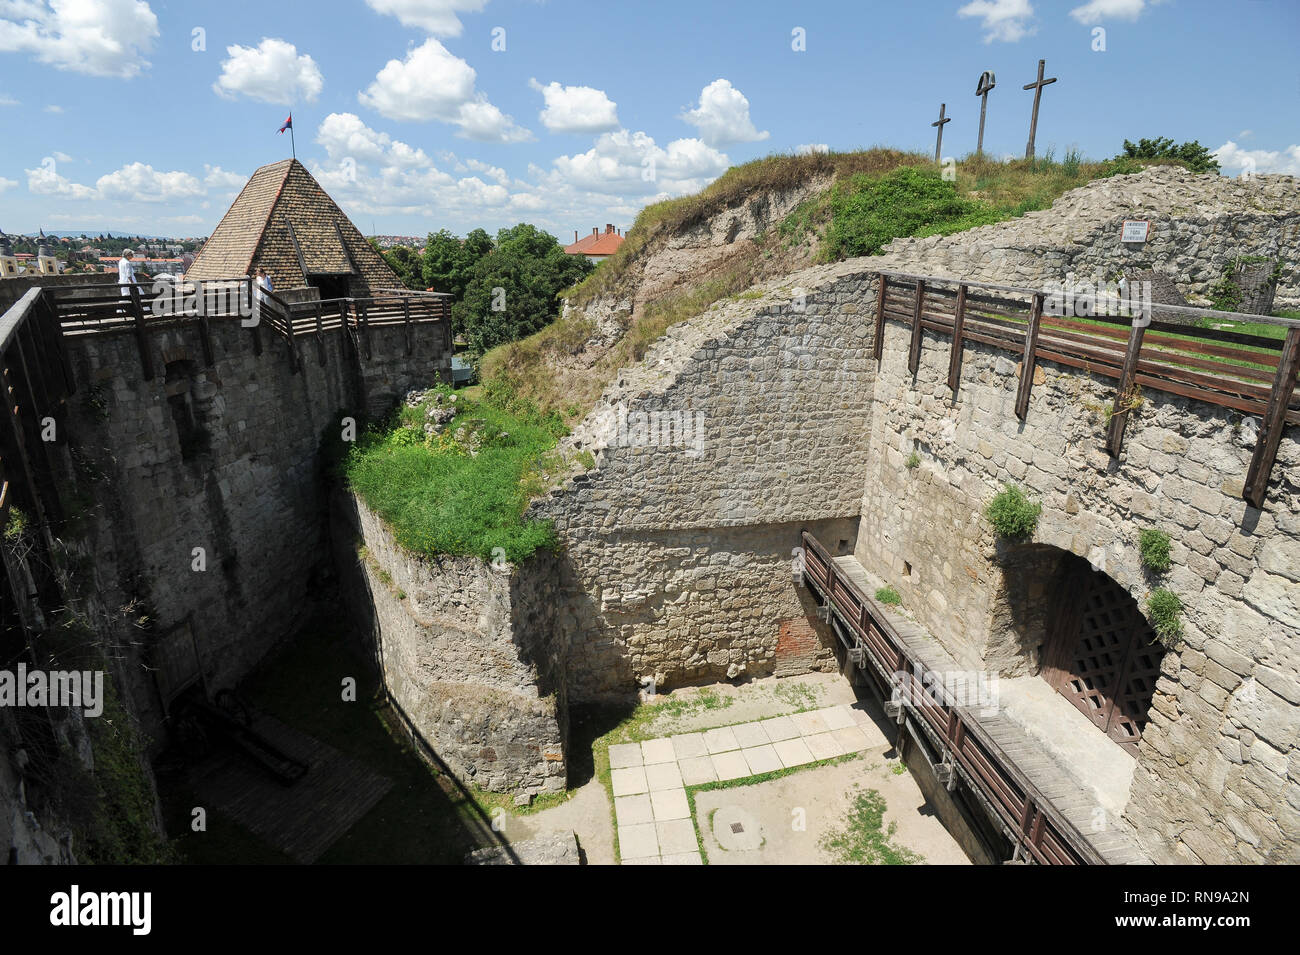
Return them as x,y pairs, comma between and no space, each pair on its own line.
1100,652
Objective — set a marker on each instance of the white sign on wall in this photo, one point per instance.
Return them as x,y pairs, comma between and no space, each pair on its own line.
1136,230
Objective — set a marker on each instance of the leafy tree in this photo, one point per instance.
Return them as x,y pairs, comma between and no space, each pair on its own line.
1197,157
512,292
449,261
406,262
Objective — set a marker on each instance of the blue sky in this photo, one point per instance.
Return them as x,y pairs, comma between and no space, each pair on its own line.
423,114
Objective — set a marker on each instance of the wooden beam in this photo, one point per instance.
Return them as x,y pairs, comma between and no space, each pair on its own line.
141,336
1124,394
914,354
1027,359
878,346
1274,421
954,359
320,335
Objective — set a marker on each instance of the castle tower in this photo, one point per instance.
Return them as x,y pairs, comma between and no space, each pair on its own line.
8,263
46,263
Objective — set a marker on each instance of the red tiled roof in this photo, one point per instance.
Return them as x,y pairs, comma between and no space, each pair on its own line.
604,243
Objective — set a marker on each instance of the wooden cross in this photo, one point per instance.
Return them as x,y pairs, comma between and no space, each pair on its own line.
938,143
1037,87
986,83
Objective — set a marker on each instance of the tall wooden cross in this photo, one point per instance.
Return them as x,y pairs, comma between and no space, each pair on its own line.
938,143
1037,87
986,83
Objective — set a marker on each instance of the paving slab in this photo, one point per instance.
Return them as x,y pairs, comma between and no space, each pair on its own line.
689,745
636,842
658,751
720,740
633,810
697,770
628,782
676,836
670,804
623,755
730,765
762,759
837,717
824,745
779,728
810,723
750,734
663,776
644,860
851,739
793,752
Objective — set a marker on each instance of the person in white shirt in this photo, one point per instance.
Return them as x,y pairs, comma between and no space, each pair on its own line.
126,271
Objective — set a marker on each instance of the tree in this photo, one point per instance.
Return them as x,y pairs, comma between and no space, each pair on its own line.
406,262
1197,157
512,292
449,261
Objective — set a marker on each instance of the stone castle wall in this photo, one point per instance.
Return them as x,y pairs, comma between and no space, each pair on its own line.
468,652
226,459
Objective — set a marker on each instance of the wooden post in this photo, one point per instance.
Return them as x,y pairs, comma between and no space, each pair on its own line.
320,334
205,339
141,337
55,333
1274,421
986,83
1027,361
938,141
878,346
1037,87
363,322
295,365
406,313
954,359
914,355
1119,414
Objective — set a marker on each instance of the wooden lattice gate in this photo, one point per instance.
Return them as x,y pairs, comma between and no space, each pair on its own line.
1102,655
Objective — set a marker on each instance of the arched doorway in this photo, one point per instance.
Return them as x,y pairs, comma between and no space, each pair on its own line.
1100,652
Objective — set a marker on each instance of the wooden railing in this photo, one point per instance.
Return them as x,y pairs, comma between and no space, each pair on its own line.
1165,350
1028,818
93,309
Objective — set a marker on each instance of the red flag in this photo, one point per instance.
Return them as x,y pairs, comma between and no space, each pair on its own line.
288,124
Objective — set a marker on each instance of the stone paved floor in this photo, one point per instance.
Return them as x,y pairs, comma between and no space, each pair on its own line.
649,778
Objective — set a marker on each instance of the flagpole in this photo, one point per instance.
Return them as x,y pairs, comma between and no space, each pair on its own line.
292,144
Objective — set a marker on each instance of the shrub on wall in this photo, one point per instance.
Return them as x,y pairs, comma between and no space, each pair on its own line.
1012,514
889,596
1153,549
1164,609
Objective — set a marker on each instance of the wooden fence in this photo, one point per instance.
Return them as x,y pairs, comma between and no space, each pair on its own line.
1027,816
1168,349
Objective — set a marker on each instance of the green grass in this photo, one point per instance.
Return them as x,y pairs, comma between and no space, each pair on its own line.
864,838
1153,549
888,596
1164,609
462,491
1012,514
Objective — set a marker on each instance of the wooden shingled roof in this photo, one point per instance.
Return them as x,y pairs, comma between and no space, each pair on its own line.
283,221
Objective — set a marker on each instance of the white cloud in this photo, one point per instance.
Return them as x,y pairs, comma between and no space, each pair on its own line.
576,109
344,135
7,100
1094,11
44,181
272,72
808,148
722,116
54,108
492,172
1233,159
140,182
99,37
631,163
7,183
438,17
214,177
1006,20
61,157
433,84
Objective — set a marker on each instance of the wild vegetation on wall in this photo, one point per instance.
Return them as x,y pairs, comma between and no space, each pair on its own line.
453,475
